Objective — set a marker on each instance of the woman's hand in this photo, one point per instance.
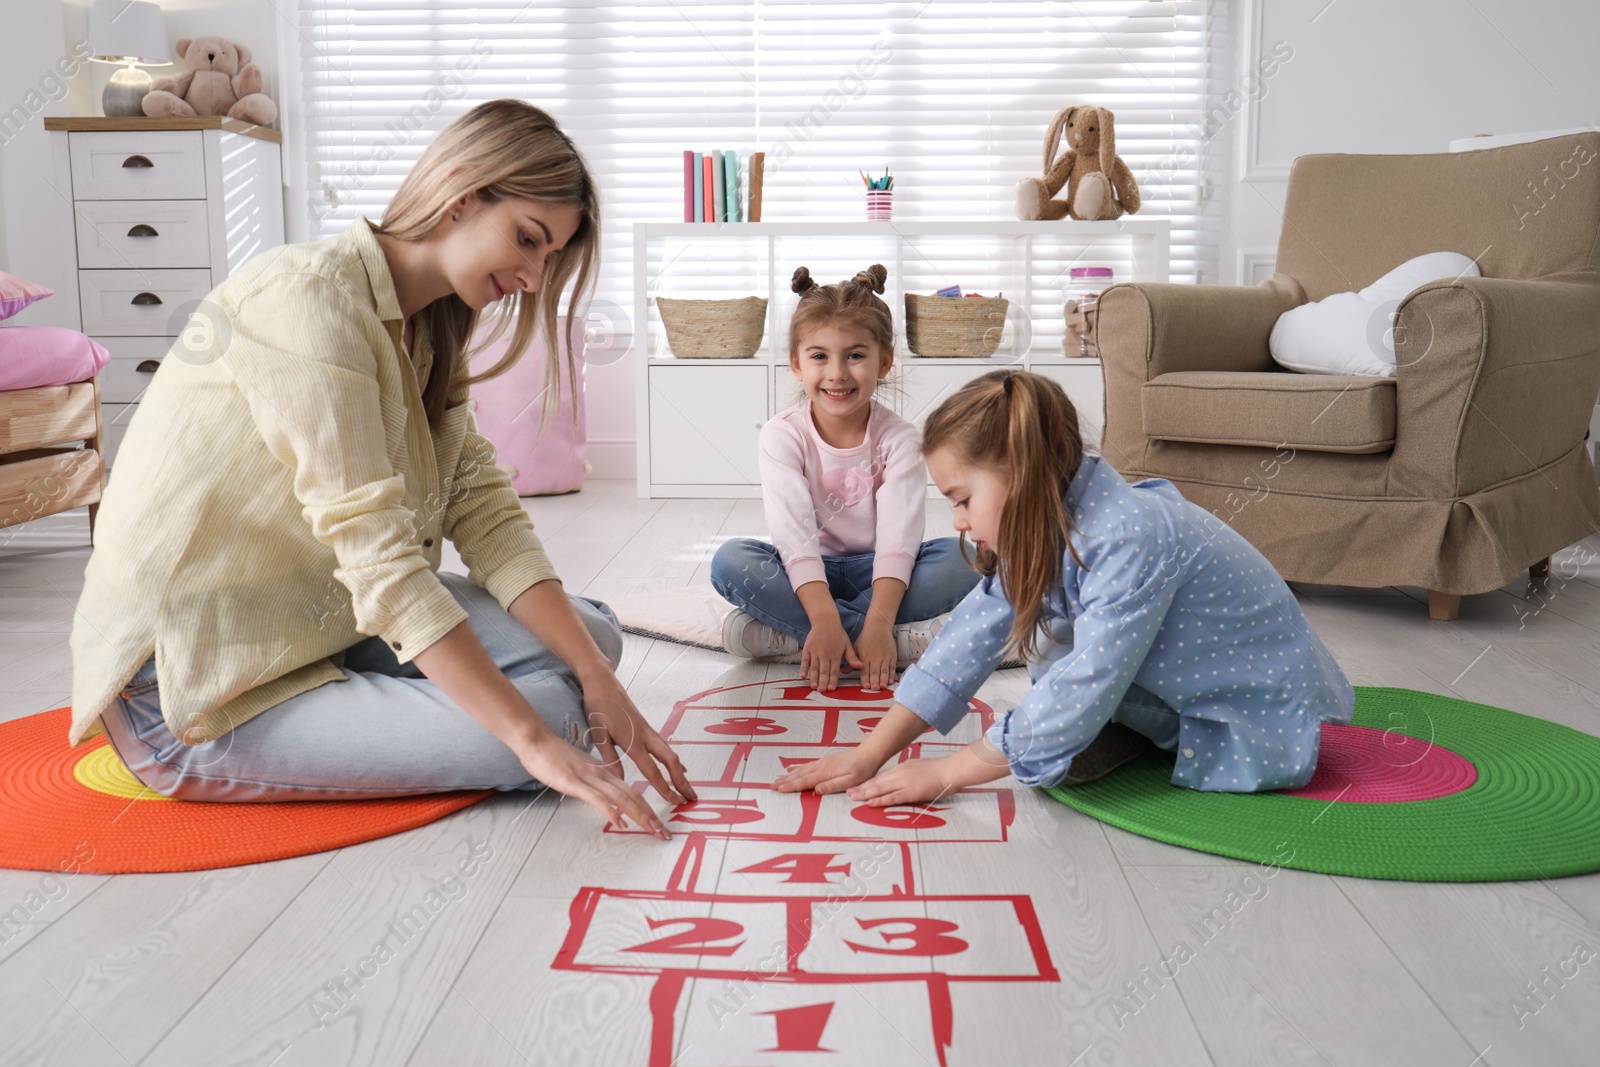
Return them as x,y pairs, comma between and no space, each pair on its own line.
875,646
911,782
615,723
831,773
575,773
819,658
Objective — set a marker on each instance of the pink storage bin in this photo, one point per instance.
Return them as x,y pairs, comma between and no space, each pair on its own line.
510,413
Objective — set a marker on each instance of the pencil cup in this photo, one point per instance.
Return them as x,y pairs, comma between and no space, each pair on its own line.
880,205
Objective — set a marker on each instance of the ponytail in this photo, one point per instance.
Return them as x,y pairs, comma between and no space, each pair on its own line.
1021,425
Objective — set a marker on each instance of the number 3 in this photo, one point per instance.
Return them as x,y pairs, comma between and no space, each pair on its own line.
925,937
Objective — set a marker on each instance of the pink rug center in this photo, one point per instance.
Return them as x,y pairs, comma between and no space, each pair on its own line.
1363,765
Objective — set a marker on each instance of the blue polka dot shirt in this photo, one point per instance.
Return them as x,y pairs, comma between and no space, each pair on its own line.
1175,624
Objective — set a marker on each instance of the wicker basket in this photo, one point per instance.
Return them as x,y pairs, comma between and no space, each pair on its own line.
954,327
714,329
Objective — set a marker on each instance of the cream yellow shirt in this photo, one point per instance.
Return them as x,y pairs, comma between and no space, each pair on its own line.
279,497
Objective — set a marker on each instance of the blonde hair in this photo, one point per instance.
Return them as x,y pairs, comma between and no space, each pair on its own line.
1023,426
500,150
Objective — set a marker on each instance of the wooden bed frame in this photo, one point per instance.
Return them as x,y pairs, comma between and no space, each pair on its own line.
51,452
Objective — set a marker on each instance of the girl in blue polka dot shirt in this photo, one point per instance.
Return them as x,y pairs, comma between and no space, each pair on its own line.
1144,620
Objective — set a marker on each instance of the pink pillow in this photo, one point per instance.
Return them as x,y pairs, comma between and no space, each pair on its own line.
31,356
16,294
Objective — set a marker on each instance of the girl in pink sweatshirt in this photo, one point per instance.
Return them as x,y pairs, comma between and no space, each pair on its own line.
847,577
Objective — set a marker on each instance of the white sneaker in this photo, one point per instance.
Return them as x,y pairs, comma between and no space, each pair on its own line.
911,639
749,638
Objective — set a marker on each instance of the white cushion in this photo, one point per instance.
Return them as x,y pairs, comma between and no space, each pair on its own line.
1353,333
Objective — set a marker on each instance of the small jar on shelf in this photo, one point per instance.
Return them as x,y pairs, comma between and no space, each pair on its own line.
1082,307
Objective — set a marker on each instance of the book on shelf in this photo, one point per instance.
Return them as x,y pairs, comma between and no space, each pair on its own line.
688,186
719,195
717,187
730,183
757,172
705,197
692,189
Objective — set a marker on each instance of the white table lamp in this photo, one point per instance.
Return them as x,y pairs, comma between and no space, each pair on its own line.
127,31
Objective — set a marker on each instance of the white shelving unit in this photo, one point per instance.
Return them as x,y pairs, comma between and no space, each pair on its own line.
698,418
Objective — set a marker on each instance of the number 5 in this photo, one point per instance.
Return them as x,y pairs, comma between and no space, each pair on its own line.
725,812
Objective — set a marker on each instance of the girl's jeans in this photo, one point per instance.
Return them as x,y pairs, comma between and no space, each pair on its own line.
750,575
385,731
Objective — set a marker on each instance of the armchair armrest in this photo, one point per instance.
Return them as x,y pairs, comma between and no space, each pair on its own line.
1496,378
1194,327
1150,329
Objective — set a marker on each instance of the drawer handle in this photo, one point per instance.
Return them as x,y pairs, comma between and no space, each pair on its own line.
143,230
148,366
137,161
146,298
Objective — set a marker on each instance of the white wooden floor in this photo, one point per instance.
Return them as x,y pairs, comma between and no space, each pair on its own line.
264,965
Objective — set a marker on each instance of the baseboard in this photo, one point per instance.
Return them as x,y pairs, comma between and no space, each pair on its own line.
611,459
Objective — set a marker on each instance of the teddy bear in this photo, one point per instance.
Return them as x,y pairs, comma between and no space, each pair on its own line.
1099,184
220,80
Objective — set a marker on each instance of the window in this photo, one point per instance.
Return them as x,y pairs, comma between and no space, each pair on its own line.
953,98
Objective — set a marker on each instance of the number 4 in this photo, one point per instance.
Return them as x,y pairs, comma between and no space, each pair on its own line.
800,867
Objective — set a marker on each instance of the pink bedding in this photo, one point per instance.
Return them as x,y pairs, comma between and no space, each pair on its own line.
32,356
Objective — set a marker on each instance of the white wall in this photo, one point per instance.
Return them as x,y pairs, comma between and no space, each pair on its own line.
31,88
37,35
1395,76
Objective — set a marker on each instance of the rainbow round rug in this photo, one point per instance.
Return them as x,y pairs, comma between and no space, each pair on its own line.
1418,787
79,809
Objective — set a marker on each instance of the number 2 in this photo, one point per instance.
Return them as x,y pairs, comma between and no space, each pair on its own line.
695,941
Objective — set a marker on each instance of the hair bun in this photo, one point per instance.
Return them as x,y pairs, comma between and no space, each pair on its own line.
873,277
802,280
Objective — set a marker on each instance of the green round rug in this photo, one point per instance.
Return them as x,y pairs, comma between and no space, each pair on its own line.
1505,797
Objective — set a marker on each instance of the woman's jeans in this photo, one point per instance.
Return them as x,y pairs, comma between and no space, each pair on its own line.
749,574
384,731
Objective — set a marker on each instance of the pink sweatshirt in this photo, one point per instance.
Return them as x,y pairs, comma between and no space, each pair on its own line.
826,501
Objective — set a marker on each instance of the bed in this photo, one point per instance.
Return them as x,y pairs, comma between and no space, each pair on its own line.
51,452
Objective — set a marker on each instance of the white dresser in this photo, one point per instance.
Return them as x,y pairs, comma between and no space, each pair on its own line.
162,210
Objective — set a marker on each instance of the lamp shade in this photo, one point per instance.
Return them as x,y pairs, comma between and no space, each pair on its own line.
127,31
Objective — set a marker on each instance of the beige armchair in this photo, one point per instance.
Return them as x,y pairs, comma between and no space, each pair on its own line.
1467,466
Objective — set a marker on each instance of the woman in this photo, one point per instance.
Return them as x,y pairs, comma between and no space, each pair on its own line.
279,503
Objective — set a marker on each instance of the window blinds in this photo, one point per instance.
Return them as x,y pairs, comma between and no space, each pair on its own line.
953,99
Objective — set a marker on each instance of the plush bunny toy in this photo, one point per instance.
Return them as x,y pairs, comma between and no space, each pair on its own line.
220,80
1099,184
